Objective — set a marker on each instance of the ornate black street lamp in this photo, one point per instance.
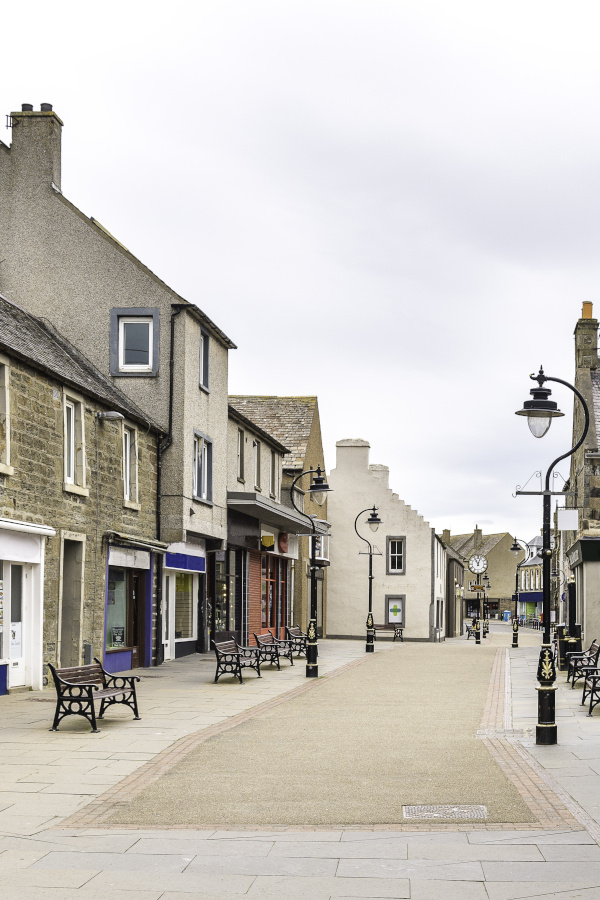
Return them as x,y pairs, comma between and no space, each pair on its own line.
373,522
540,411
515,550
317,491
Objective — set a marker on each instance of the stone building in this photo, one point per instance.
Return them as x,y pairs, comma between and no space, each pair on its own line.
259,567
500,567
162,351
294,422
577,550
409,561
78,510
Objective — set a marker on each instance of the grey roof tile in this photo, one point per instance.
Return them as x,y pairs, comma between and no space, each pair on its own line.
288,419
39,345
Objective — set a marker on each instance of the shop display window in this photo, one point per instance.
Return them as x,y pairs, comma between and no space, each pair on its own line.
117,635
184,605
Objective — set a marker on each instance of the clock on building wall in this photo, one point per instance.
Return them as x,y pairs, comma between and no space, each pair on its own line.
478,564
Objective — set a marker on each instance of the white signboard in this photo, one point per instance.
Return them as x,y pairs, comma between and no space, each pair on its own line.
568,519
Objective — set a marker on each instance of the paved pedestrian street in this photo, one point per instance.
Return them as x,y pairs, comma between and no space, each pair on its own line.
288,788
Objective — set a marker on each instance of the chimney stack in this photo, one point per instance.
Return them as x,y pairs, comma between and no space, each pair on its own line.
36,146
586,339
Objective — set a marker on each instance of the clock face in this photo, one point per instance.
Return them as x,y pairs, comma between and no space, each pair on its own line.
478,564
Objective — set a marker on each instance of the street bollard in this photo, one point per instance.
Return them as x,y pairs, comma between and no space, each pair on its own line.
515,642
477,631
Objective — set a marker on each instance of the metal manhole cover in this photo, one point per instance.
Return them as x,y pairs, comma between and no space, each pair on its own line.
444,812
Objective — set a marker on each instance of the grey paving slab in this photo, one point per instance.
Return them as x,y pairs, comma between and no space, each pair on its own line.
448,890
259,865
114,862
60,878
544,871
569,853
475,852
326,888
182,882
540,838
279,836
412,868
48,841
391,848
201,847
451,837
541,890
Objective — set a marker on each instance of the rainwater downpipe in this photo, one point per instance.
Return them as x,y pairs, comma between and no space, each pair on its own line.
162,447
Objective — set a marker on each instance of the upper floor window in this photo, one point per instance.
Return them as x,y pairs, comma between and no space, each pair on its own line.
134,341
396,556
273,479
257,465
204,358
130,465
73,444
240,454
5,466
202,471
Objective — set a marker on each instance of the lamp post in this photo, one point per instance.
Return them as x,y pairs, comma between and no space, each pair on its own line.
373,522
317,490
486,609
515,550
540,411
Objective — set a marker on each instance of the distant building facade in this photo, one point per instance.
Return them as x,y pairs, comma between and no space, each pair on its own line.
409,565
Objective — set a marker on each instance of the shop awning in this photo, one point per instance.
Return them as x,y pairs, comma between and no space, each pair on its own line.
271,513
131,540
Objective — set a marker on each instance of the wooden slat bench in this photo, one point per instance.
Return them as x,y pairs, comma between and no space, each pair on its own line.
591,689
579,663
397,629
271,648
77,687
232,658
298,639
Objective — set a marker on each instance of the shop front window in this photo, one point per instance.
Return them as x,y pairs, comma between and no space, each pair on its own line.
274,591
184,605
117,635
220,596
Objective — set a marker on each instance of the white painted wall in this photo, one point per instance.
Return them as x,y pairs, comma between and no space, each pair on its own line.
357,485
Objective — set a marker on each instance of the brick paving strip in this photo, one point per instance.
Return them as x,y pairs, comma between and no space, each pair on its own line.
552,806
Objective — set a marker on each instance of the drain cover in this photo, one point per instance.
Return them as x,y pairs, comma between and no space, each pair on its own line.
444,812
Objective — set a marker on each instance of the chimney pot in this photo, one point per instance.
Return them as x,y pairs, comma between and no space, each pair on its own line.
26,107
45,107
587,311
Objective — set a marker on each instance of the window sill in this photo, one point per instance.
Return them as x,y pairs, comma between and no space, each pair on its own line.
202,501
395,573
241,480
206,391
76,489
117,649
129,504
257,487
6,470
122,374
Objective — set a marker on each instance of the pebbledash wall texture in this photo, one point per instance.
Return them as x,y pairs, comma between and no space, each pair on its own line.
35,491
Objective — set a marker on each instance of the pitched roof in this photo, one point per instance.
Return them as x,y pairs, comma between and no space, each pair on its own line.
36,343
288,419
465,543
244,420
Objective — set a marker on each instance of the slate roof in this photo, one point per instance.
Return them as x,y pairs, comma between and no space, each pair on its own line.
36,343
288,419
595,376
465,543
244,420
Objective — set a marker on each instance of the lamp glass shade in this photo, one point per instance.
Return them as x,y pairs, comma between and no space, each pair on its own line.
318,497
539,425
374,521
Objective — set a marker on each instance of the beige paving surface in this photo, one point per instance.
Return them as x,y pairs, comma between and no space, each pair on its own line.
399,729
494,862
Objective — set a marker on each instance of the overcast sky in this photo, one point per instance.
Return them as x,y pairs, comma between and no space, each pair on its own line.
392,205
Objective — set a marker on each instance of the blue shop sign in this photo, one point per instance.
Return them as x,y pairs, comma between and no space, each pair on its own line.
186,562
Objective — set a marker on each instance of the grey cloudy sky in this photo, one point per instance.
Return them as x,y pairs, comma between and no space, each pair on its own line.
392,205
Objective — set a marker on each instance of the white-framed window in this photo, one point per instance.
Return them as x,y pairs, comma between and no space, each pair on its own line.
136,343
73,444
257,465
240,454
5,466
130,464
204,359
523,580
202,471
537,579
396,553
273,475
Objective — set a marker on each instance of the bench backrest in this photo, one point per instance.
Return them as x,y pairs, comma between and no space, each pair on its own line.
264,638
295,631
225,647
91,674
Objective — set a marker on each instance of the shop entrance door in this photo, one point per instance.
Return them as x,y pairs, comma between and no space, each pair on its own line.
137,606
14,580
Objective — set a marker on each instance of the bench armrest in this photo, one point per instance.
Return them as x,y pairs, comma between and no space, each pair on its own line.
121,681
